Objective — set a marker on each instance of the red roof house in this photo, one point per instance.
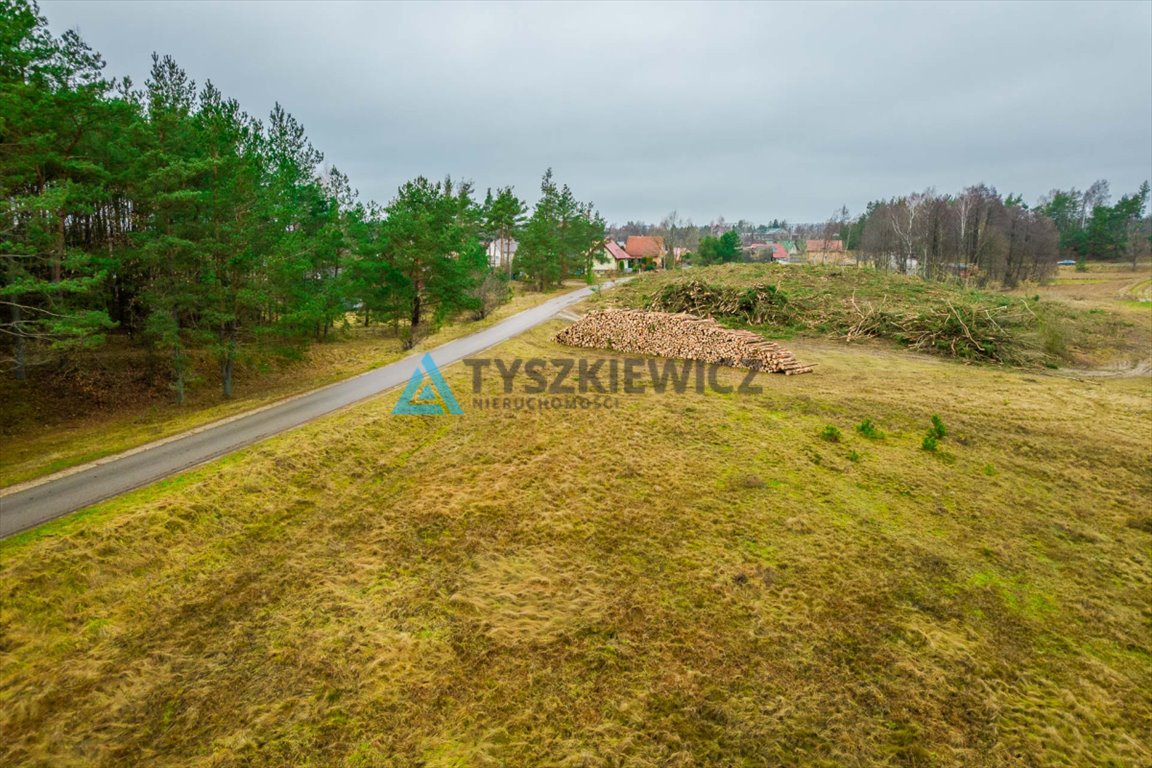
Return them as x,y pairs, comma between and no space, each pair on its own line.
645,247
615,251
825,246
619,258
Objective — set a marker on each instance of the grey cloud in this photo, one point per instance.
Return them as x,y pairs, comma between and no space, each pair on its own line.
742,110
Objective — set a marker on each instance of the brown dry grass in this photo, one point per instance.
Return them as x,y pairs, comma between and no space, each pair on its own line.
684,580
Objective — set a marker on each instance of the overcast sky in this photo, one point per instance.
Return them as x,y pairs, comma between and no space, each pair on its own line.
747,111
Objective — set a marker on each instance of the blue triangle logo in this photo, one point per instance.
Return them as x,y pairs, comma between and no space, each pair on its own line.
427,394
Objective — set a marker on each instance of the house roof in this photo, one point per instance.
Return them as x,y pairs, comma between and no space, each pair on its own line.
825,246
779,252
644,246
615,251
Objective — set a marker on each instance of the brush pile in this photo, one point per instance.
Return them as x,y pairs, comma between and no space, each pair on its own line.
679,335
923,316
757,304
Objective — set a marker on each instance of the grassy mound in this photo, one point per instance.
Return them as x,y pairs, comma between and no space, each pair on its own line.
696,579
850,303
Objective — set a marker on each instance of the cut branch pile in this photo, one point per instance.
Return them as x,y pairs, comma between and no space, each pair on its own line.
928,321
967,330
681,336
758,304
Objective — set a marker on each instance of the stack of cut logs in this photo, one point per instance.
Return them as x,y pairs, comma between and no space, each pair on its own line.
679,335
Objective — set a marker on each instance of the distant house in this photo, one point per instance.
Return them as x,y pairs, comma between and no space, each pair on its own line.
775,234
646,247
615,259
779,252
824,246
790,247
500,253
758,251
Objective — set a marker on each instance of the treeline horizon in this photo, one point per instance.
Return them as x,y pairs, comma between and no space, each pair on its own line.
169,215
978,233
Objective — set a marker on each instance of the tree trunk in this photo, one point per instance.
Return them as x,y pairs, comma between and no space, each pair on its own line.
226,371
414,324
17,318
58,260
178,362
21,369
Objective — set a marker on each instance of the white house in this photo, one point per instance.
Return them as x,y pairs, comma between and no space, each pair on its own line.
615,259
500,253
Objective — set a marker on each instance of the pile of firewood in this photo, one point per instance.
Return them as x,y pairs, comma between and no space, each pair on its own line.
681,336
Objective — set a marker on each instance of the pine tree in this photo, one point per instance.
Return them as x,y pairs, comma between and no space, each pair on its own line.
503,220
52,96
560,237
430,239
171,234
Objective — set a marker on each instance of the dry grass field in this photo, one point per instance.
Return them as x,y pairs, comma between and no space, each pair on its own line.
693,579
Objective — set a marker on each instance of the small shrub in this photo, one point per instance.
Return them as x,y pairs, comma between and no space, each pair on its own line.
831,434
869,430
854,457
938,428
990,470
930,442
492,291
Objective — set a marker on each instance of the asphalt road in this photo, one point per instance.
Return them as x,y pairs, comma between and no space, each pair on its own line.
31,504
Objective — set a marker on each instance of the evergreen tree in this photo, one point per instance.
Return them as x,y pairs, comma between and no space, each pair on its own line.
170,234
719,250
430,240
503,220
560,238
229,187
52,100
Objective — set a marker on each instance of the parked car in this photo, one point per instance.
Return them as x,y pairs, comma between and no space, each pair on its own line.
1066,263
